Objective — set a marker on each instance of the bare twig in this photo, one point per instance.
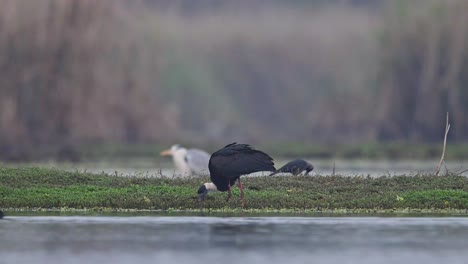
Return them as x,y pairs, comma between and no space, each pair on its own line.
446,169
447,128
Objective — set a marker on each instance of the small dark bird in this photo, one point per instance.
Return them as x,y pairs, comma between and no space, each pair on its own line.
1,215
295,167
229,163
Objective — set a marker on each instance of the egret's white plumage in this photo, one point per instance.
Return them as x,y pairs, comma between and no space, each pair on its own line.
189,161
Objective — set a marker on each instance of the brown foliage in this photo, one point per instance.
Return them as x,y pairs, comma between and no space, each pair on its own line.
71,73
282,73
424,69
86,71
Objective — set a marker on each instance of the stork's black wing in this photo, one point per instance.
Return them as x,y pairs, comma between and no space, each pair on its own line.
229,163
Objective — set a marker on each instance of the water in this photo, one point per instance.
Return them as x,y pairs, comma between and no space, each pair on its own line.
374,168
201,240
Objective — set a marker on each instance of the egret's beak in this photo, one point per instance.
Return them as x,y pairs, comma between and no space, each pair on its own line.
166,152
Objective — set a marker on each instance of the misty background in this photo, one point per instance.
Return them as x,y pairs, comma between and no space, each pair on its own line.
75,74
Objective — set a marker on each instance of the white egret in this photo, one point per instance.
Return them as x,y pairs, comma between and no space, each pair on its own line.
188,161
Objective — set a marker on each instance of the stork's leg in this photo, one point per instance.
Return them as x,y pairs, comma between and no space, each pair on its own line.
229,192
241,192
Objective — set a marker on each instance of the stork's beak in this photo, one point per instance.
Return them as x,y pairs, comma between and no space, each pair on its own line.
201,197
202,192
166,152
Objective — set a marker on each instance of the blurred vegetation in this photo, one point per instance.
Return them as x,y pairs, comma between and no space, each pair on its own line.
33,188
79,73
393,150
73,71
424,69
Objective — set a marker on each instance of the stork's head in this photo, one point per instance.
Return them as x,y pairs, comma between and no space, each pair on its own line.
205,189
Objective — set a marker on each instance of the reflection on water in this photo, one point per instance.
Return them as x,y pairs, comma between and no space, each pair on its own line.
233,240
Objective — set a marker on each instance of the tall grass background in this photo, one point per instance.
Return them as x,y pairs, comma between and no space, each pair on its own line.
86,72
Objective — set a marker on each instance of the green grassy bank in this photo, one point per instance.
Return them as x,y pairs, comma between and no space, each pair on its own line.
41,189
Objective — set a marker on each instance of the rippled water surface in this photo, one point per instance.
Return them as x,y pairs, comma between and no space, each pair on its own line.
201,240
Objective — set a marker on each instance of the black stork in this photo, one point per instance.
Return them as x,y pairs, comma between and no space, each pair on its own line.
295,167
229,163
